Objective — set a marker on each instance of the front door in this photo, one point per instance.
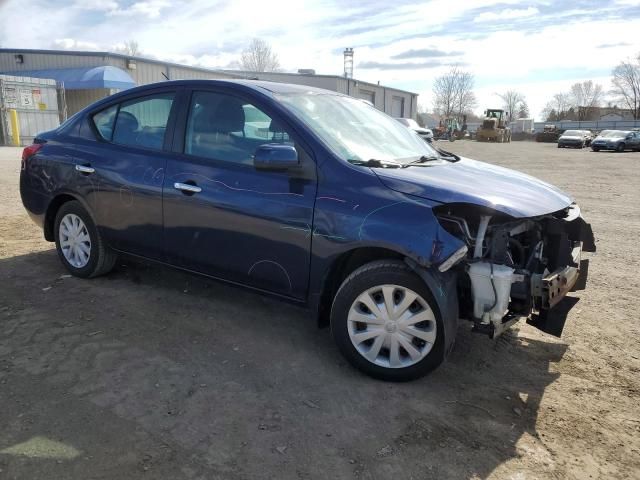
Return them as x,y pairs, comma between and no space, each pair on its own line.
223,217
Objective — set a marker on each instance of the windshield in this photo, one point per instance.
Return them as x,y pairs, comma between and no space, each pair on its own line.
612,134
572,133
356,131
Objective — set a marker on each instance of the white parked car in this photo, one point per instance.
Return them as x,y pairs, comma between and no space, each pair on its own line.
425,133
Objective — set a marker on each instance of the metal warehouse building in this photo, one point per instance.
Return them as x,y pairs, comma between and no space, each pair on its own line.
397,103
84,77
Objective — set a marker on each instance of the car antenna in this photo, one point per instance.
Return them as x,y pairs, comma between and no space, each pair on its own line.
165,75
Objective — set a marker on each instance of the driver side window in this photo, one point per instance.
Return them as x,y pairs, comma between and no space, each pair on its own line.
227,128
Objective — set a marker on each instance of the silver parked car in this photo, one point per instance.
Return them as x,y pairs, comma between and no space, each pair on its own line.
574,138
618,140
425,133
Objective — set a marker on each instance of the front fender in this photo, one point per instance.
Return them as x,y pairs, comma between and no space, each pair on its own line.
403,225
399,223
443,286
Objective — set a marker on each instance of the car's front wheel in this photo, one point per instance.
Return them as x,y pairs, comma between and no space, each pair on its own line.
386,323
80,246
620,147
595,149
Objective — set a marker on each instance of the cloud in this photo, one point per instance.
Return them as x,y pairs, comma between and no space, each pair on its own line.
613,45
423,53
147,9
402,66
71,44
406,47
506,14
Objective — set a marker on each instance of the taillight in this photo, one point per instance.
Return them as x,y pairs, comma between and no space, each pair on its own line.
29,152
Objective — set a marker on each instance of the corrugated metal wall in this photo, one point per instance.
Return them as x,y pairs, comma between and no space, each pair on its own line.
379,95
39,61
78,99
36,102
186,73
318,81
146,72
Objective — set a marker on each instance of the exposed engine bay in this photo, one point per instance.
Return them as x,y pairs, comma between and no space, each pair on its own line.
513,268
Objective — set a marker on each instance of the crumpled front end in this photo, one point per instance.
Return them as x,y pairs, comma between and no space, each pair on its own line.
514,268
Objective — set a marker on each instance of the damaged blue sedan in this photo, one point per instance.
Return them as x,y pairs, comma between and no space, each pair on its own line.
317,198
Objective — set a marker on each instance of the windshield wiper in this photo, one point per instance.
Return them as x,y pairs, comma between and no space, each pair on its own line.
445,154
375,163
422,159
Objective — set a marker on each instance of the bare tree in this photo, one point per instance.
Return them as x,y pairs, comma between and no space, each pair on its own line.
511,99
586,96
258,57
626,86
131,48
557,107
453,93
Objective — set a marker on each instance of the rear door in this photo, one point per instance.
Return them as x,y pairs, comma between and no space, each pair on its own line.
231,220
124,169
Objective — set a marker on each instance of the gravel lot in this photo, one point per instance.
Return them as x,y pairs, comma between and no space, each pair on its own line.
152,373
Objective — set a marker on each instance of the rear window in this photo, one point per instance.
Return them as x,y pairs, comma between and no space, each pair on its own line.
105,120
141,122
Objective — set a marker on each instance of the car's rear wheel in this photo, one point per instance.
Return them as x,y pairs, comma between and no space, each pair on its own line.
595,149
80,246
386,323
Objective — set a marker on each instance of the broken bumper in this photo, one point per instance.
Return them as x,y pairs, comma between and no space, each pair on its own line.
553,288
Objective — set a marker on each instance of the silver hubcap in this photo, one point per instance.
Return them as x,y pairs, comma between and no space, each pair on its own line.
74,240
392,326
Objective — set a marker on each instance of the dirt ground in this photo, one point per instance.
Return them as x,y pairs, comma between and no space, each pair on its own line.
152,373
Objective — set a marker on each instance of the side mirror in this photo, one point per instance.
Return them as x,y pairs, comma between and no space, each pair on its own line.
275,156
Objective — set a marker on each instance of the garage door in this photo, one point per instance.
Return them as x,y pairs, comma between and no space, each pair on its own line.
368,95
397,107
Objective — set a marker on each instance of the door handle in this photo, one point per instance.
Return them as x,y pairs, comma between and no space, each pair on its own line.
85,169
187,188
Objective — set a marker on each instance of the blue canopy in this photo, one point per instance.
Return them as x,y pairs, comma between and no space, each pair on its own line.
83,78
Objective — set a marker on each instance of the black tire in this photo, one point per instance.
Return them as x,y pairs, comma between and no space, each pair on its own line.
595,149
372,274
101,258
620,148
559,146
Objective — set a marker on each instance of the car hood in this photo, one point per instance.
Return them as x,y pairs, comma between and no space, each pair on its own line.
422,130
570,137
608,139
478,183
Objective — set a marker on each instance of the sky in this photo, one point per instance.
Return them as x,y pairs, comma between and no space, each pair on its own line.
538,48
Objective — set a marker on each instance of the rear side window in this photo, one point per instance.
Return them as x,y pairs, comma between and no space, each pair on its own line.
105,120
143,122
139,123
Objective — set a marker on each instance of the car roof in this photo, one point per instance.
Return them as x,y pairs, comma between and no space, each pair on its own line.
258,85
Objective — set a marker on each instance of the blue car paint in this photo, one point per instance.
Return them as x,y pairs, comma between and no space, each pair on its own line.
478,183
277,231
